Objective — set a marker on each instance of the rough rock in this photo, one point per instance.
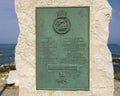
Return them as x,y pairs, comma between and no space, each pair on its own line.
12,78
101,68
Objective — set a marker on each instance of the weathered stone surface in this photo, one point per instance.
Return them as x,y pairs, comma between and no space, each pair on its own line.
12,78
101,71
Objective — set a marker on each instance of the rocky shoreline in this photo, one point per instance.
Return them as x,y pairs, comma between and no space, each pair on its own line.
4,69
116,60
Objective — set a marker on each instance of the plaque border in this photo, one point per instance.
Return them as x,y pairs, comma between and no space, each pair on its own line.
64,89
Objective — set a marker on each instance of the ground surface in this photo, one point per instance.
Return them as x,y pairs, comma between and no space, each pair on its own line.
7,92
117,88
14,92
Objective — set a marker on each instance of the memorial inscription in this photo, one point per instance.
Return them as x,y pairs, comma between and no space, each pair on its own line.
62,48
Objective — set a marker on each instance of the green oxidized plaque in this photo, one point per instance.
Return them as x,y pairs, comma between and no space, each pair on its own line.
62,48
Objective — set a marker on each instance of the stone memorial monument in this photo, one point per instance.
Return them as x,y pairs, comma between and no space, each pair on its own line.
62,48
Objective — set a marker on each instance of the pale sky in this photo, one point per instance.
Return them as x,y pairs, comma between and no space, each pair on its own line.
114,35
9,29
8,22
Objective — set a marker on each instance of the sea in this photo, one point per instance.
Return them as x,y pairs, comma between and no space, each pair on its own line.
7,54
115,50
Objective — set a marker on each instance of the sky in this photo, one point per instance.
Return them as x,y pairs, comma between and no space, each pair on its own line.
9,30
114,28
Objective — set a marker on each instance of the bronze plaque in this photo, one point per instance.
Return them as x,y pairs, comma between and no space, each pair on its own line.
62,48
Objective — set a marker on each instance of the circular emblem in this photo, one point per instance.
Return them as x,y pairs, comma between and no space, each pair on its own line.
61,24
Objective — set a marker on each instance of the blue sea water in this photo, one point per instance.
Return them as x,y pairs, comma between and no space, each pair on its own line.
7,53
115,50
